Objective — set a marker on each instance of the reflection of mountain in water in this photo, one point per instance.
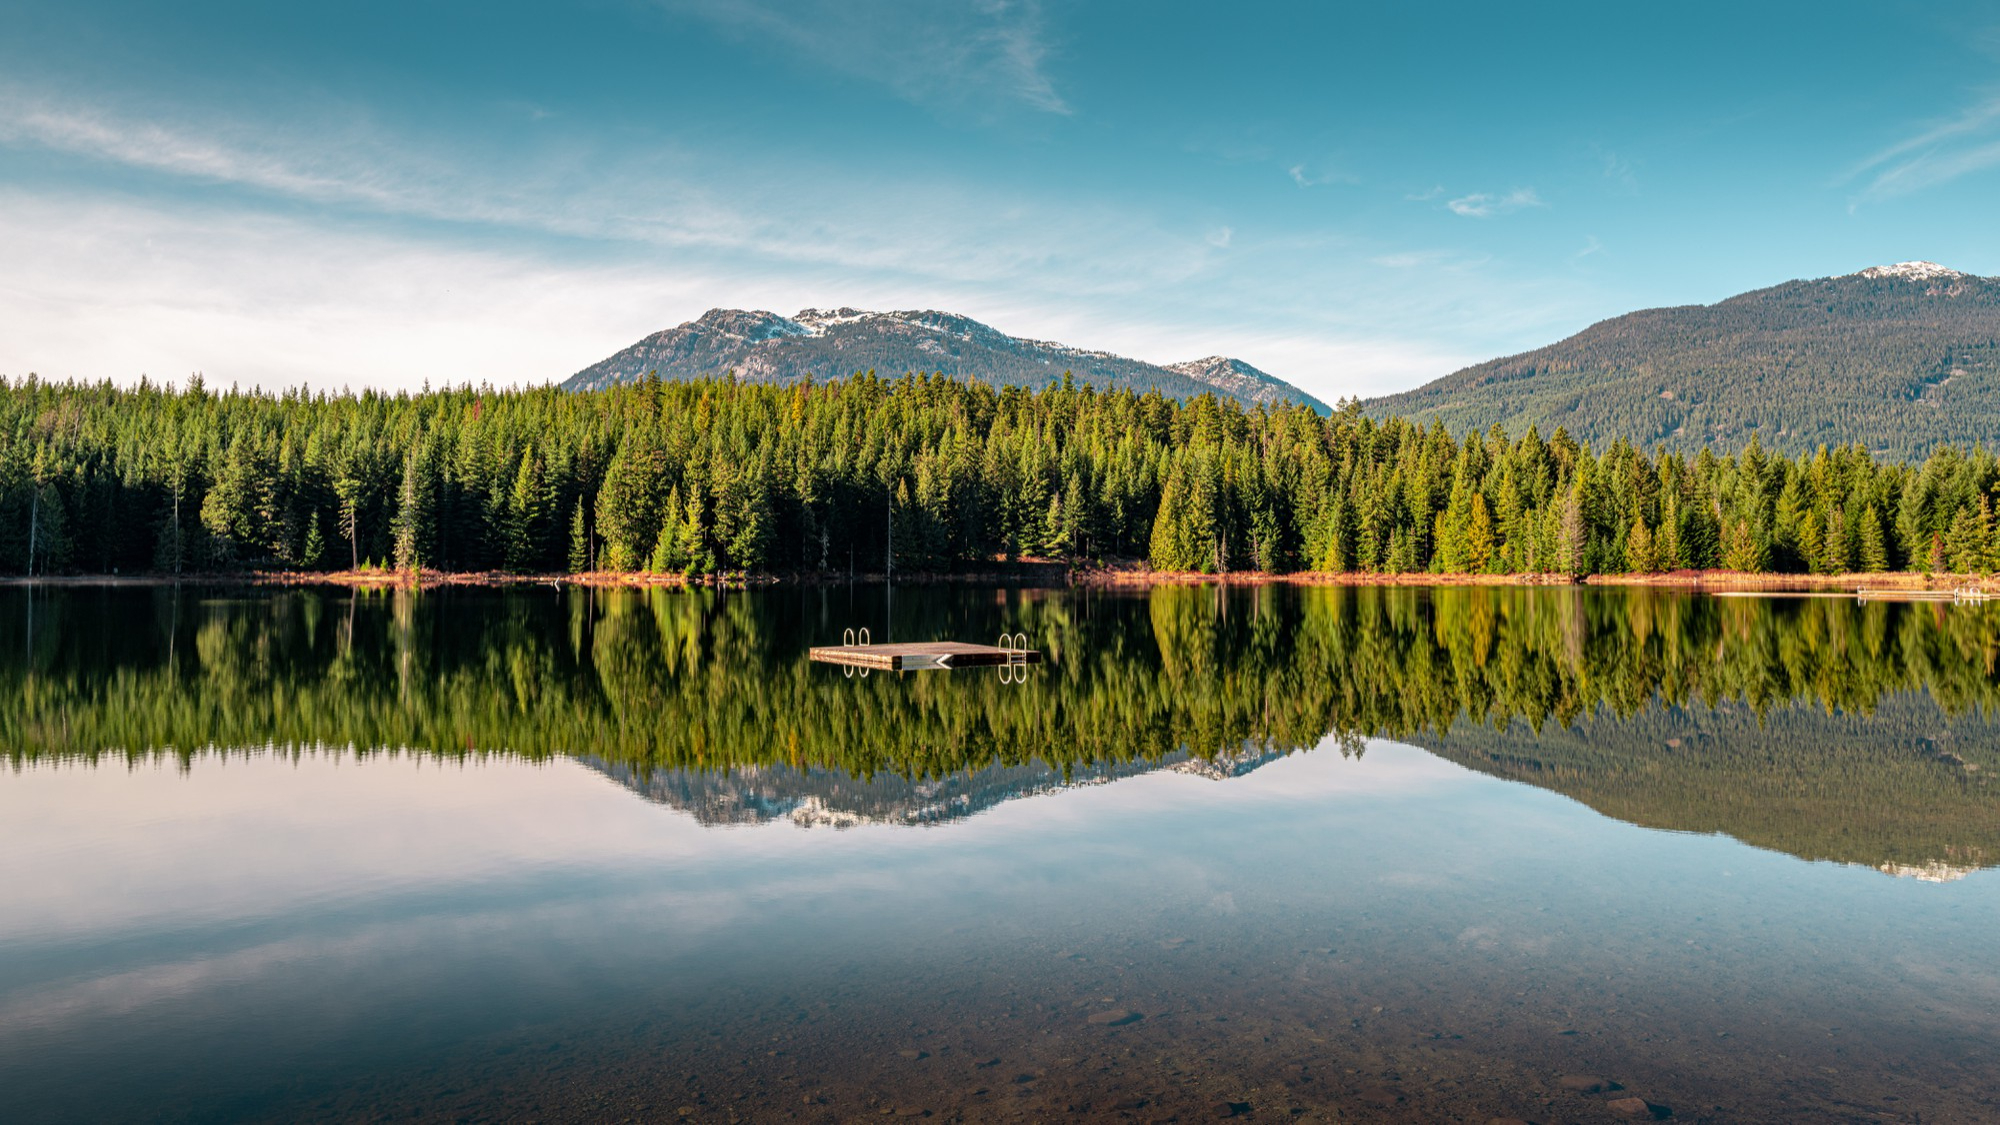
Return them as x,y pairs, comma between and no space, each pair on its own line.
832,798
1815,726
1908,790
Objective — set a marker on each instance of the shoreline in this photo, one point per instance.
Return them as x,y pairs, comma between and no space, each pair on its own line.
1038,574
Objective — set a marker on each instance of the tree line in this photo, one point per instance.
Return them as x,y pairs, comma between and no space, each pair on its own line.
919,473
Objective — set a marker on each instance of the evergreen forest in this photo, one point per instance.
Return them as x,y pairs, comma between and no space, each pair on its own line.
1899,364
919,474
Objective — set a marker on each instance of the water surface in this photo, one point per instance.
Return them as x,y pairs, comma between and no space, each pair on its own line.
1317,854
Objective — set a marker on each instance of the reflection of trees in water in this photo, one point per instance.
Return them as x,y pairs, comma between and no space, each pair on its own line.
1814,726
1905,787
693,678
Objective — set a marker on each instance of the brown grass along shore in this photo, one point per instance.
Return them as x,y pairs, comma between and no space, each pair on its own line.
1043,573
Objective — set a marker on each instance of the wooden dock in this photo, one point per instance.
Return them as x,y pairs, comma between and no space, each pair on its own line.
1964,595
926,656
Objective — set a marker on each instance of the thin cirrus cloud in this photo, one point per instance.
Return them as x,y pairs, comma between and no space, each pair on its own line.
671,199
1968,142
946,55
421,257
1482,205
1308,177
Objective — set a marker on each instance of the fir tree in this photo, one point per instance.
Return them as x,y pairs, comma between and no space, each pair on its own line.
315,547
1836,556
1570,535
579,541
1667,544
1639,556
413,514
525,515
1742,548
1874,545
1478,536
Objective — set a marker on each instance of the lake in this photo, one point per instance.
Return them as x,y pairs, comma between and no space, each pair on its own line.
1274,853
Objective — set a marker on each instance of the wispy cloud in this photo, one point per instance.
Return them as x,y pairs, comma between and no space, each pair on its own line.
1482,205
1306,176
960,55
1442,260
1617,169
1940,153
1591,246
434,258
151,145
664,197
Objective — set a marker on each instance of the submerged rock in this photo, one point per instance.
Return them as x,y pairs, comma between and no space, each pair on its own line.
1586,1083
1115,1017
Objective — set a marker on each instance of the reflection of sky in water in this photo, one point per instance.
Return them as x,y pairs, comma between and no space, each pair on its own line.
242,937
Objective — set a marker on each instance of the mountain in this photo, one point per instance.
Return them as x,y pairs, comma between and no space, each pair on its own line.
1898,358
829,343
816,797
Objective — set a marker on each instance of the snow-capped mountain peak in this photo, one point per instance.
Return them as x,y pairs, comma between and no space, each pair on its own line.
751,326
762,346
1911,271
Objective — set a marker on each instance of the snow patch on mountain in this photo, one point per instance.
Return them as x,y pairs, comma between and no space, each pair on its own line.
815,343
1911,271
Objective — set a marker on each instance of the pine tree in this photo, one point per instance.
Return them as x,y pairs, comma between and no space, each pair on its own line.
1835,556
1451,553
666,557
526,504
314,551
1478,536
347,487
669,556
692,542
412,523
1639,556
1742,549
1170,548
627,523
1667,554
1570,541
579,541
1874,545
1966,543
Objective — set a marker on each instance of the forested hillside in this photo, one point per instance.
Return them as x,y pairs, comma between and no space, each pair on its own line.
721,476
1897,359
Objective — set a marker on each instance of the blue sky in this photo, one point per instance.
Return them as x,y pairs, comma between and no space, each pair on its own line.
1357,199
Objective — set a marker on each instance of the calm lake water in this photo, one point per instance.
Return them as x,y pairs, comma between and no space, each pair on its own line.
1279,854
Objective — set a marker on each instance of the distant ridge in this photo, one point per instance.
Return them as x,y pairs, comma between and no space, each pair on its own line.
1899,358
828,343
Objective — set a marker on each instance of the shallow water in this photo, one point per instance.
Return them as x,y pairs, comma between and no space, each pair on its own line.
1281,854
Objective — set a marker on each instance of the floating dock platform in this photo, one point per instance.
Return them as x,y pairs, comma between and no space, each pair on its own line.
1964,595
931,655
